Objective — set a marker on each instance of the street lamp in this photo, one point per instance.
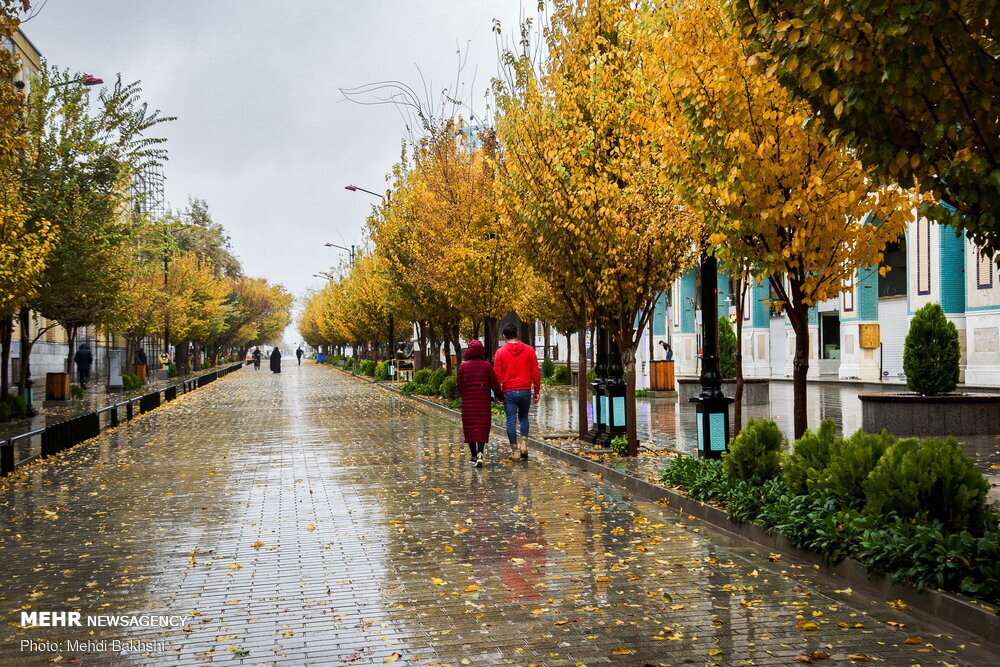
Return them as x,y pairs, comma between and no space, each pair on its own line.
350,250
712,406
354,188
387,198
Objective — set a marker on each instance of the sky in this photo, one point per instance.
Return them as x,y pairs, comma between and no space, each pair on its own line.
263,133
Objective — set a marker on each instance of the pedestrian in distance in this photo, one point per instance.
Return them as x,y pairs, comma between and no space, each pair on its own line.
140,357
668,352
517,370
256,358
83,359
298,355
275,360
476,382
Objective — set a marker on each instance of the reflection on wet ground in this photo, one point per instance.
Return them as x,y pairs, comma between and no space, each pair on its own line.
665,422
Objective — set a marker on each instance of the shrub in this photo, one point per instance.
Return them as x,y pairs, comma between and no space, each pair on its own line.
417,388
809,458
550,382
4,412
619,445
367,367
382,370
755,453
130,382
930,477
349,364
561,374
76,391
171,373
851,461
449,387
727,348
437,377
423,376
16,405
455,404
184,369
931,353
548,368
642,393
591,375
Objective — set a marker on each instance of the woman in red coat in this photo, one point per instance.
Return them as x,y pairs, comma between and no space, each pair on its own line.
476,380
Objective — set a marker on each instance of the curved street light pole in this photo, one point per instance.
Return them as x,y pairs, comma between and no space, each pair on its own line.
387,198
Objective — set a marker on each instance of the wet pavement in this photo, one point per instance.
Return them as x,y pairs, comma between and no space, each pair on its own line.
312,518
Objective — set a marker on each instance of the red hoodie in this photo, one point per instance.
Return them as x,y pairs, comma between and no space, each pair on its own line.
516,366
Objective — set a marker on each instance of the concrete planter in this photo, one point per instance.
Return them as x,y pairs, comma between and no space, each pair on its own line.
756,391
948,414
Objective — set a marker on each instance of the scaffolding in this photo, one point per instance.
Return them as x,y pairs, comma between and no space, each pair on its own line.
147,193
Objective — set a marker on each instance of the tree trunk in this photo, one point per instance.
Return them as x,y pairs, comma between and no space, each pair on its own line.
492,337
447,351
799,318
181,354
628,361
456,342
569,355
196,356
422,344
6,335
581,374
70,344
26,344
738,397
545,331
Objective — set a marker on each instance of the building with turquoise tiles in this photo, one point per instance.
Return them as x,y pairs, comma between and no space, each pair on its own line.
929,263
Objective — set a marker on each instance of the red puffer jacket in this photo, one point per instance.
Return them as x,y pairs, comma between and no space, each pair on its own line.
476,380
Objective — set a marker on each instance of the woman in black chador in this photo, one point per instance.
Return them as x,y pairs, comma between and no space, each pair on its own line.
275,360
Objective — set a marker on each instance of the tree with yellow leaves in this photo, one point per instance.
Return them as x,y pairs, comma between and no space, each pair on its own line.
24,246
196,299
775,193
580,172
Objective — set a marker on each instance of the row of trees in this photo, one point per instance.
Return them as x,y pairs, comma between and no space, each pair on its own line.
634,139
75,249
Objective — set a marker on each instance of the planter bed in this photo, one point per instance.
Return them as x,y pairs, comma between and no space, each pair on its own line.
908,414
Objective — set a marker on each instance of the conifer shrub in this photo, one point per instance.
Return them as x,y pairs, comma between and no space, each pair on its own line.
437,377
931,353
423,376
449,387
548,368
851,462
805,466
727,348
417,388
755,453
930,478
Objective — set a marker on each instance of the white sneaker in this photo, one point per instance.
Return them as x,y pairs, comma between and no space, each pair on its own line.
474,463
479,460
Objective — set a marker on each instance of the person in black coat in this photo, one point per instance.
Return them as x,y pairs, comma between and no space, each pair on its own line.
256,359
275,360
83,359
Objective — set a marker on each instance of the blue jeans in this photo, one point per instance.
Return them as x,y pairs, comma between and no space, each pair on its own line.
516,404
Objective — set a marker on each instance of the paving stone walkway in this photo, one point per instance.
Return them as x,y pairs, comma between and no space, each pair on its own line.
312,518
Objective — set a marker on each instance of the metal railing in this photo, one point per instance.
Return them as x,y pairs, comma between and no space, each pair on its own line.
59,436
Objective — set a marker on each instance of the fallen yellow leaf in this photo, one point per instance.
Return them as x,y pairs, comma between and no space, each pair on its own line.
392,658
471,588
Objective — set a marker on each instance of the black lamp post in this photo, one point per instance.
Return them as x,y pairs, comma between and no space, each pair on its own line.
712,406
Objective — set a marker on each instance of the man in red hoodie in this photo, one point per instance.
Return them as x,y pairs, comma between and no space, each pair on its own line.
516,366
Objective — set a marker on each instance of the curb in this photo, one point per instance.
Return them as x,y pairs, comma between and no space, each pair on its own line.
966,615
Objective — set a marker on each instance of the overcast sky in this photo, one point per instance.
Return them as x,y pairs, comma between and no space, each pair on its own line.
263,135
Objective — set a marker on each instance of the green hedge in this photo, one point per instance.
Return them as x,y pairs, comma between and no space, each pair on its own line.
913,509
561,374
548,368
382,371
